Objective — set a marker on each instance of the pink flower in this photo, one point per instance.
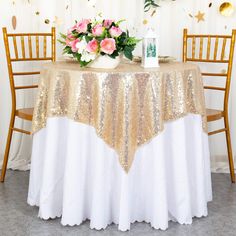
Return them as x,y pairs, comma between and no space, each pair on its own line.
107,23
69,38
81,26
108,45
68,42
72,44
115,31
92,46
98,30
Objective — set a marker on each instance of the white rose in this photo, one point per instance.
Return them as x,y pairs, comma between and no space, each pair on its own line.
88,56
81,46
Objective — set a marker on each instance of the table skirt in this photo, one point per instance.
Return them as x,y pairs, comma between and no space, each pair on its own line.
76,176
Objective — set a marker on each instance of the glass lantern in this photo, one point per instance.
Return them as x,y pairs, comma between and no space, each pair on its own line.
150,50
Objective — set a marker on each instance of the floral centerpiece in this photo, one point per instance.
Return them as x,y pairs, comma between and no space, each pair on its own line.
89,40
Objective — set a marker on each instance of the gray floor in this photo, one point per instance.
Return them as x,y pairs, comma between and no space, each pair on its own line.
19,219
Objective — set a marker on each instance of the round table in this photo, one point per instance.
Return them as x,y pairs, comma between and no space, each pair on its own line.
120,146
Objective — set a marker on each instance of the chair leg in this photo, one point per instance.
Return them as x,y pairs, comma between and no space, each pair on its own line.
7,150
229,148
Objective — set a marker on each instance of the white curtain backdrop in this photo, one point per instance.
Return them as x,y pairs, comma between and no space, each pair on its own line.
168,22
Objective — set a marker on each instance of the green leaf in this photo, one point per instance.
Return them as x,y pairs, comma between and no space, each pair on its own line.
122,38
132,41
100,38
128,52
67,50
120,21
74,32
89,28
83,63
155,5
148,4
63,36
88,38
61,41
114,54
113,24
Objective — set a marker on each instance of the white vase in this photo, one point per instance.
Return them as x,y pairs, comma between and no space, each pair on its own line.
105,62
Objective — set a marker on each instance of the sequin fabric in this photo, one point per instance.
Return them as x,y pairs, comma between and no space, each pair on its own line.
127,106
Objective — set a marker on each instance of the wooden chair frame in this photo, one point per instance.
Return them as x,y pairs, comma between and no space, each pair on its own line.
213,115
25,114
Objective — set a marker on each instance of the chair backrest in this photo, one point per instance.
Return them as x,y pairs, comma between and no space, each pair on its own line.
217,55
37,45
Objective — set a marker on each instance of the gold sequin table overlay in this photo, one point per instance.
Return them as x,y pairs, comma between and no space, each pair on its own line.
127,106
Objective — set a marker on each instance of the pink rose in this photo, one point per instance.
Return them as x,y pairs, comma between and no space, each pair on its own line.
72,44
92,46
69,38
98,30
108,45
81,27
115,31
107,23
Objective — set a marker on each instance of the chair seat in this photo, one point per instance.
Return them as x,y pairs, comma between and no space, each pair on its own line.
26,113
213,115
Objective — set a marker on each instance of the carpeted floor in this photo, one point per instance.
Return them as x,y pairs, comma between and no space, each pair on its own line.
19,219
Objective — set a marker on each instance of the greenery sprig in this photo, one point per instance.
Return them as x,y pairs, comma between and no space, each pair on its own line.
148,4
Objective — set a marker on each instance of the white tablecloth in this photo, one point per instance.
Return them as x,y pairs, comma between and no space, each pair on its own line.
76,176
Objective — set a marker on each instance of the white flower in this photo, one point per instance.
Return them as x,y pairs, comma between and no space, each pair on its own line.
81,45
86,56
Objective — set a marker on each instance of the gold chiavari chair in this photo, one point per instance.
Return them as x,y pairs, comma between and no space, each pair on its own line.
218,55
37,44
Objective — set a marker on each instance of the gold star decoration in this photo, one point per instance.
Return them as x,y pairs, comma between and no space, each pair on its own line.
200,16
